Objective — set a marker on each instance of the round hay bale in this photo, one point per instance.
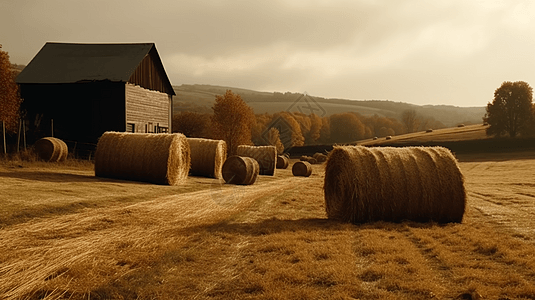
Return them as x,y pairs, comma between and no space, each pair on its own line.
388,137
302,168
460,125
157,158
320,157
266,156
429,130
240,170
282,162
207,157
51,149
393,184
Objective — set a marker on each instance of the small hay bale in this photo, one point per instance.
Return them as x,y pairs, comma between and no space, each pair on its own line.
155,158
266,156
51,149
320,157
460,125
374,138
429,130
308,159
282,162
302,168
393,184
207,157
388,137
240,170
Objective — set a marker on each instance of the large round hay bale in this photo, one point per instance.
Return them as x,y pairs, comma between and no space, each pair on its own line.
51,149
240,170
393,184
266,156
207,157
302,168
157,158
282,162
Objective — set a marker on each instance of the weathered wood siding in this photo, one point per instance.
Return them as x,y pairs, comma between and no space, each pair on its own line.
150,75
147,109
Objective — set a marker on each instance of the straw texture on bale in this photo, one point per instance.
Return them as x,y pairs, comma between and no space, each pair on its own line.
155,158
282,162
240,170
207,157
302,168
266,156
51,149
393,184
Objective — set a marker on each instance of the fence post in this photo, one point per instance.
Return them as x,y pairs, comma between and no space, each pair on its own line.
24,133
52,127
4,135
18,137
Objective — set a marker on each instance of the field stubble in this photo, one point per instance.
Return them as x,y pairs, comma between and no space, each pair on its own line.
267,241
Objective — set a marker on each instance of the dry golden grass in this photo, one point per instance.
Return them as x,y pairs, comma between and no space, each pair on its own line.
267,241
469,132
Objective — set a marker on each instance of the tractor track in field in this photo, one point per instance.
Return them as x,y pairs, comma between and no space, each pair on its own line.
443,272
512,219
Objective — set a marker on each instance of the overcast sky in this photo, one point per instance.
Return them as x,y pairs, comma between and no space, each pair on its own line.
453,52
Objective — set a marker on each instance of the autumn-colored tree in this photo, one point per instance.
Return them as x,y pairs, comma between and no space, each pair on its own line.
315,129
325,131
273,137
346,127
260,129
511,110
304,123
192,124
289,129
383,131
9,94
232,121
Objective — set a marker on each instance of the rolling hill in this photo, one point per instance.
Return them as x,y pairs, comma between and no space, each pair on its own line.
200,98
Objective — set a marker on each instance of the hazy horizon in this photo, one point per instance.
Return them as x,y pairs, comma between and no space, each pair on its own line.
420,52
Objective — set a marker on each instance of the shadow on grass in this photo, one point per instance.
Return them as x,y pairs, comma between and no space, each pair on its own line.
275,225
61,177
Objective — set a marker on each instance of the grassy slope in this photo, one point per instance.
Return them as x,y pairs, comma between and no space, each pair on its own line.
267,241
201,98
466,133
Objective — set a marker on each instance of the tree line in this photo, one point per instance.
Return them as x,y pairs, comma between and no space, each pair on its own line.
290,129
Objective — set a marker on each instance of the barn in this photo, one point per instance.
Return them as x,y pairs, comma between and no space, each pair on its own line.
78,91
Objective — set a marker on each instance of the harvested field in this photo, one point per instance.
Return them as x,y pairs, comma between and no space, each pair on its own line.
66,234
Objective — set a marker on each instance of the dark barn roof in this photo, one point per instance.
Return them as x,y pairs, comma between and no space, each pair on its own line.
73,63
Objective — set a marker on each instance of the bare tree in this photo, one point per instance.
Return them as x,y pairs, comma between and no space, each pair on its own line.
410,120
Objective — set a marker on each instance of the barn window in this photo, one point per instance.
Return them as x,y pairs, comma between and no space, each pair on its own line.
130,127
